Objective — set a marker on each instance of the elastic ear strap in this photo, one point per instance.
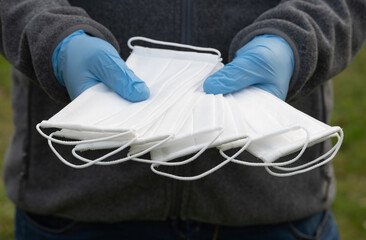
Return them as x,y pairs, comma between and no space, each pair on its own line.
253,164
63,142
202,49
58,155
195,156
116,161
247,143
333,151
98,160
191,178
334,148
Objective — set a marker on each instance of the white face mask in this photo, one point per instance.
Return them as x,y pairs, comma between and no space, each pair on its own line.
187,136
276,129
169,74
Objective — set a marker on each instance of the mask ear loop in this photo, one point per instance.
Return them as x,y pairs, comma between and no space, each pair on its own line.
202,49
191,178
253,164
116,161
334,148
332,152
52,140
195,156
63,142
58,155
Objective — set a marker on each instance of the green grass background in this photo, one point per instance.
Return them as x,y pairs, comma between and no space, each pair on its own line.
350,163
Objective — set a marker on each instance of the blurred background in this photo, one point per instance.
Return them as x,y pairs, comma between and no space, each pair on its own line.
350,163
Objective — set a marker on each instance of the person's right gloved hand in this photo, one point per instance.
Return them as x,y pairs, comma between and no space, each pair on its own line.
81,61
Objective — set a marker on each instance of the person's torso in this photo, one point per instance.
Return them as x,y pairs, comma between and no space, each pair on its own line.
129,191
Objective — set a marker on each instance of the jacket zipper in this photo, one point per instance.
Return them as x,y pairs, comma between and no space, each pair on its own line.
186,21
186,38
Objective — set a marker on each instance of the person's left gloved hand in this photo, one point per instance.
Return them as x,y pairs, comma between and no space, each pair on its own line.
266,62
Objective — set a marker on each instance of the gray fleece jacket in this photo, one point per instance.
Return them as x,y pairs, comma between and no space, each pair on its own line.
324,36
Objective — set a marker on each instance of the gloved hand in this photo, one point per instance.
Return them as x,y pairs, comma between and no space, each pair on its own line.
81,61
266,62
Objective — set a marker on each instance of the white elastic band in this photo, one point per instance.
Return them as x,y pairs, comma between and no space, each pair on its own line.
334,148
58,155
333,151
203,49
99,160
157,163
116,161
64,142
191,178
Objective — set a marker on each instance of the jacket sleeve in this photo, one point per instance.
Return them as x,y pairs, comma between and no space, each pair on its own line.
31,29
324,36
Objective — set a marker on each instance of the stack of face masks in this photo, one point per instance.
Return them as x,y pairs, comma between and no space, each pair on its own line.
179,119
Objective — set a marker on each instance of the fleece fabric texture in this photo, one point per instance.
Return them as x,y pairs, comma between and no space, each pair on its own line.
324,36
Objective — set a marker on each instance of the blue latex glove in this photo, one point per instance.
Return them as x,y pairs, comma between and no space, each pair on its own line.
81,61
266,62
